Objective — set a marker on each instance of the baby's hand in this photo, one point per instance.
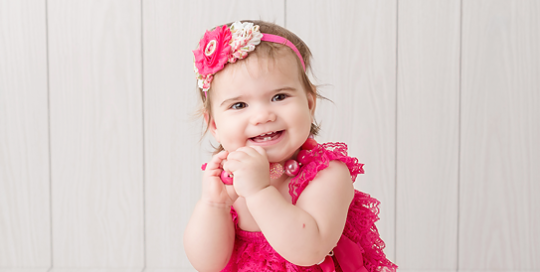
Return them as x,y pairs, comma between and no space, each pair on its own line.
214,191
250,168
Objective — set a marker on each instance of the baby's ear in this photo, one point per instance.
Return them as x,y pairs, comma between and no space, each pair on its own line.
312,100
206,116
211,125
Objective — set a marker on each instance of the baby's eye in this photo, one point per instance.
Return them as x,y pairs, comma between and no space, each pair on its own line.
279,97
239,105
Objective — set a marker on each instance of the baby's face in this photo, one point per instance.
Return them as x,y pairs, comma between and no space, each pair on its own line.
261,101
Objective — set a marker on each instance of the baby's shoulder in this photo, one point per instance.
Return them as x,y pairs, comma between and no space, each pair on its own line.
336,176
325,167
338,152
323,155
335,169
331,185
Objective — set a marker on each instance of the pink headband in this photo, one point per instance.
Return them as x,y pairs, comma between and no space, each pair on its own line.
281,40
227,45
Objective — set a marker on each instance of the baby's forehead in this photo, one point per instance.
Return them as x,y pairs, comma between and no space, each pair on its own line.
256,74
259,65
266,58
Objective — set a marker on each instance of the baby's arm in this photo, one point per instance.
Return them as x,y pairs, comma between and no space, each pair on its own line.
209,235
304,234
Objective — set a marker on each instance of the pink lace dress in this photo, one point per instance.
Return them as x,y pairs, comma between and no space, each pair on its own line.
360,248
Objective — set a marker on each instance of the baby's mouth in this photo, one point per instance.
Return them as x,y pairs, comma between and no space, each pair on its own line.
266,136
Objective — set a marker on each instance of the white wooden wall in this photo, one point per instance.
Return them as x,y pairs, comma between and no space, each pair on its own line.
100,153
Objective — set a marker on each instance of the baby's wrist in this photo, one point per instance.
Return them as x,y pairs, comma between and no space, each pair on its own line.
258,192
215,204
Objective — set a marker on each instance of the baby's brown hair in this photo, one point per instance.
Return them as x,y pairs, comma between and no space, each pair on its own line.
269,49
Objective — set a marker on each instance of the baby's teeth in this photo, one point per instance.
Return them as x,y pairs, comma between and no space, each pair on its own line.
267,138
266,133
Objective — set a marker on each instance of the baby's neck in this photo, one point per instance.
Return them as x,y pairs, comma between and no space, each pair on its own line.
293,157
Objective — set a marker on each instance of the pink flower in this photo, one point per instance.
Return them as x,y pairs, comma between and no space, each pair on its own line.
213,52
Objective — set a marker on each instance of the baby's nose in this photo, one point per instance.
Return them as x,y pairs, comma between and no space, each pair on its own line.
263,115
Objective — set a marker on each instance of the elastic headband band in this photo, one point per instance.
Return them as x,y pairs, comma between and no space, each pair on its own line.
281,40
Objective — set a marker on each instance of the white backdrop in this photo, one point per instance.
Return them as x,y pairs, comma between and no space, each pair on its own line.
100,155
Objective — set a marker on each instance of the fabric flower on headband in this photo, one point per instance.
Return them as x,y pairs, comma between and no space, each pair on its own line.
223,45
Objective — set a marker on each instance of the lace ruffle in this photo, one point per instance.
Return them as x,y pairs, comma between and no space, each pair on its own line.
360,228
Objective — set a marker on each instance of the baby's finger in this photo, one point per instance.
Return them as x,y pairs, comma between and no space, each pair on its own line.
231,165
259,150
253,151
237,155
249,150
216,160
213,172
